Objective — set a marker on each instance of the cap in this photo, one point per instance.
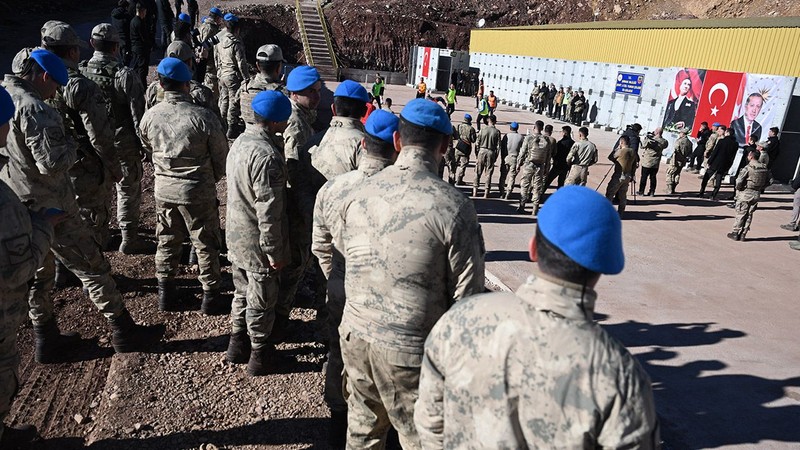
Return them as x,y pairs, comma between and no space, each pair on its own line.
214,11
180,50
427,114
467,118
21,59
174,69
183,17
301,78
55,32
230,18
351,89
269,52
584,226
382,125
716,124
51,64
763,144
514,126
105,32
272,105
637,127
6,106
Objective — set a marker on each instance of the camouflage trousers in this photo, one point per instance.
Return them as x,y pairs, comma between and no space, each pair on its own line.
93,185
334,368
510,166
253,308
532,183
129,189
201,223
212,82
382,386
229,101
12,314
463,161
673,176
577,175
745,207
618,187
484,163
75,248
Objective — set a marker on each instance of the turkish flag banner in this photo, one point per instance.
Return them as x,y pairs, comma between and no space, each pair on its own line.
426,61
718,99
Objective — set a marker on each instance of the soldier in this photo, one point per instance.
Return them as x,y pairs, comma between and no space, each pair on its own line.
231,71
86,114
720,160
257,230
465,136
488,145
560,165
210,28
582,155
511,143
624,160
378,153
750,183
177,130
269,62
654,145
681,154
440,261
482,386
534,158
40,156
340,148
125,93
711,143
578,105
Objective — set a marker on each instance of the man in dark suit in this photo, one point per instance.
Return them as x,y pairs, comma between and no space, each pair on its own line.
720,161
746,125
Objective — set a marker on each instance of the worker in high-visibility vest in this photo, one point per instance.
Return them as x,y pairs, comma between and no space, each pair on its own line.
377,89
483,112
451,100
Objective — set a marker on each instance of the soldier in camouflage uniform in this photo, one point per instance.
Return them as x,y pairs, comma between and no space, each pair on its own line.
465,136
40,155
582,156
624,159
512,143
420,237
532,369
188,148
209,28
750,183
269,62
680,155
534,158
378,153
88,117
257,230
232,72
488,145
125,93
710,144
653,147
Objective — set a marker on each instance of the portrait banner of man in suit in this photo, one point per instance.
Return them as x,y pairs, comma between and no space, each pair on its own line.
684,95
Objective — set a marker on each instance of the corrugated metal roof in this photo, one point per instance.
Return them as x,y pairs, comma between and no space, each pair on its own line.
750,22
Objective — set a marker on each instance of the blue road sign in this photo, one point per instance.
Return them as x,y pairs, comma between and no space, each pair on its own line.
629,83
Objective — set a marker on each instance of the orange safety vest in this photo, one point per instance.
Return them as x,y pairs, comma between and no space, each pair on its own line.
422,88
493,101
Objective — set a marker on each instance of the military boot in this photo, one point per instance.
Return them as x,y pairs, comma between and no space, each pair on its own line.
133,244
795,245
262,361
167,296
238,348
337,430
214,304
734,236
535,209
20,437
281,329
129,337
65,278
51,345
460,182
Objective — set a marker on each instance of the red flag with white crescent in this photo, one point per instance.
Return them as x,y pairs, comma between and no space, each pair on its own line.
718,99
426,61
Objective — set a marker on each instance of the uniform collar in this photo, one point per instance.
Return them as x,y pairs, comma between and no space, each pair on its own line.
308,115
175,96
266,79
370,164
23,84
347,122
105,57
416,158
569,300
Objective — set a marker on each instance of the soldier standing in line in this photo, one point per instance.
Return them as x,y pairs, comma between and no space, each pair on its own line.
378,153
269,62
125,93
750,183
257,230
582,155
583,389
488,146
231,71
465,136
654,145
88,118
40,156
624,160
186,197
210,28
681,154
440,261
511,144
710,144
560,165
534,158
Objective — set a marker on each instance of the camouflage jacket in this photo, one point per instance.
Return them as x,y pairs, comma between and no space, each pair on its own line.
339,150
251,88
326,234
537,149
199,93
464,132
489,139
652,149
531,370
751,181
188,147
712,141
257,227
298,161
413,246
230,58
681,153
208,29
40,153
582,153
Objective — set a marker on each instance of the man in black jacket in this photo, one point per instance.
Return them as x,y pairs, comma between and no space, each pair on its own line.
141,43
560,165
702,136
720,161
121,20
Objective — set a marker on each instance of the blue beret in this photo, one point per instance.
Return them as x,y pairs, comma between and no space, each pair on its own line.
351,89
301,78
514,125
272,105
216,11
6,106
174,69
183,17
716,124
428,114
230,18
584,225
382,125
51,64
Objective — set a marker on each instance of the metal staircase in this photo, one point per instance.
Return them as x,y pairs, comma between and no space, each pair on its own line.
316,39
